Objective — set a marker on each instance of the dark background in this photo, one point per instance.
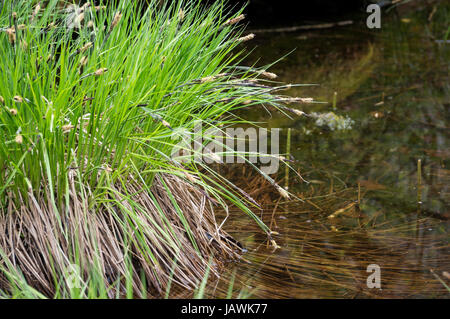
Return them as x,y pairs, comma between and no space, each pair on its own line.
291,12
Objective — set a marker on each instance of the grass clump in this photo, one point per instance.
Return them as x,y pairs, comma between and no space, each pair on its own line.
91,202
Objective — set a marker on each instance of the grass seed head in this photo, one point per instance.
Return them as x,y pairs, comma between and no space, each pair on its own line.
166,124
212,78
2,100
83,61
305,100
190,177
77,21
116,20
246,38
13,112
181,15
282,191
302,100
11,35
51,25
269,75
18,99
298,112
67,128
19,139
36,10
100,71
86,47
207,79
235,20
274,244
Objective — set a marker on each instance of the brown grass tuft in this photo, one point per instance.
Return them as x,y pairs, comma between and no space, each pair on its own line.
41,242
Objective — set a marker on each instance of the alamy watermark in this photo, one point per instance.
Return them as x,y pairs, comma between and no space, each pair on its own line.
228,145
374,279
374,19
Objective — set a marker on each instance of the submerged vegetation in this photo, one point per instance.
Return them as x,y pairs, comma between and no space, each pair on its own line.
91,202
378,193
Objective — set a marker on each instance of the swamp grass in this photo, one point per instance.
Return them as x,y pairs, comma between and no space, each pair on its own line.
92,205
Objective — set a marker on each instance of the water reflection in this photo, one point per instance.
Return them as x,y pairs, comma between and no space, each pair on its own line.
394,85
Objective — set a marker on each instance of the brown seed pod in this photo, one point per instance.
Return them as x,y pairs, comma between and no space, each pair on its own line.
18,99
116,20
11,35
86,47
190,177
67,128
36,10
100,71
282,191
13,112
212,78
83,61
298,112
235,20
269,75
107,168
51,25
249,37
181,15
165,123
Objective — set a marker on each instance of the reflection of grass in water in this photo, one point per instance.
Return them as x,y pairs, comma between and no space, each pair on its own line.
323,257
336,75
317,261
327,65
400,115
328,257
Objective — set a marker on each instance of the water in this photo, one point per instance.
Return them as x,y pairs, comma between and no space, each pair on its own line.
393,89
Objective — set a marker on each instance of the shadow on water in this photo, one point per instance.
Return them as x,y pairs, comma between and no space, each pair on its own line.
361,205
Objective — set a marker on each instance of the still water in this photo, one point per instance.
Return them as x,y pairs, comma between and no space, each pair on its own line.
366,201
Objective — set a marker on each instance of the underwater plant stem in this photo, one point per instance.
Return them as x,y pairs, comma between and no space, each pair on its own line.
334,100
288,155
419,181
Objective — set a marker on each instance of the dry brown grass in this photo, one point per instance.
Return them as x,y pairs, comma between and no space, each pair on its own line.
42,243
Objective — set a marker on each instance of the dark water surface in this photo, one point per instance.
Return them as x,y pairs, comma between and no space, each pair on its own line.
361,161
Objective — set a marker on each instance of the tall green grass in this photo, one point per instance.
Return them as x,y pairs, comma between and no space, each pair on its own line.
91,98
